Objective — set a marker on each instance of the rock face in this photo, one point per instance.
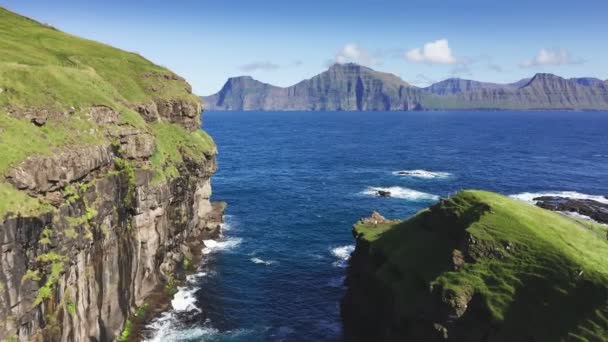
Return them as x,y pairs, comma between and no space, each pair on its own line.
598,211
351,87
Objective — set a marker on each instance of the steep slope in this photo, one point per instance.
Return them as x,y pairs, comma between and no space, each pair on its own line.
104,183
345,87
478,267
453,86
351,87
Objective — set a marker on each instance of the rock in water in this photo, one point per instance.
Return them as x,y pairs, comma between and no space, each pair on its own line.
383,193
598,211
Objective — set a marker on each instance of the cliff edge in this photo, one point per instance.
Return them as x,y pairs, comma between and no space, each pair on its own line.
104,184
478,267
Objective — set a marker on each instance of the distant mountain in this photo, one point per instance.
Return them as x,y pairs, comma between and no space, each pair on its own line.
351,87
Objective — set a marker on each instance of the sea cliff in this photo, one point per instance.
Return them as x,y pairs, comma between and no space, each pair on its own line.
104,184
477,267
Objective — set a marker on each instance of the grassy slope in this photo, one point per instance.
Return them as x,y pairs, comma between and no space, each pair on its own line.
550,284
43,68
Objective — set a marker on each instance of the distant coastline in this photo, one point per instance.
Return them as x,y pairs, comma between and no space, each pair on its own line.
351,87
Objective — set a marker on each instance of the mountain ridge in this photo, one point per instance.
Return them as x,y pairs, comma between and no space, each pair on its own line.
352,87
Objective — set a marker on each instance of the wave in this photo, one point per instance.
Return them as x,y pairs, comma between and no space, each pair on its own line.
424,174
170,330
214,246
184,299
343,254
264,262
530,196
402,193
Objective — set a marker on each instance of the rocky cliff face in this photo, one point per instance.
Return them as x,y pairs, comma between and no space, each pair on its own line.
352,87
78,272
104,184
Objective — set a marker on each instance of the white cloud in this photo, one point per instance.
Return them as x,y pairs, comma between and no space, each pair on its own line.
255,66
436,52
352,53
551,57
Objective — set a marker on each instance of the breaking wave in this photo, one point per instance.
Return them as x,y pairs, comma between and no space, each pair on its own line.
342,253
402,193
423,174
263,262
530,196
214,245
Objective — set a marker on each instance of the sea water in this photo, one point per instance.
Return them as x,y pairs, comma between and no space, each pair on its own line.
295,183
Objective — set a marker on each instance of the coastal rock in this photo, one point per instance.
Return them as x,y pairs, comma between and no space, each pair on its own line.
597,211
48,173
182,112
383,193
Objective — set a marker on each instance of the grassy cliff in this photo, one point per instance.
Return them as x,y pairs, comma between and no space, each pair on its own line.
54,79
481,266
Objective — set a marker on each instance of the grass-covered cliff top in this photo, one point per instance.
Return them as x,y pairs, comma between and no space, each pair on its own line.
44,70
535,273
43,67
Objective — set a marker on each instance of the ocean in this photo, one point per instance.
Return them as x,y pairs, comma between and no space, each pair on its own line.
296,182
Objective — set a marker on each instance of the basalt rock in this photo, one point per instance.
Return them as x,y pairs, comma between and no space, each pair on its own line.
108,247
598,211
47,173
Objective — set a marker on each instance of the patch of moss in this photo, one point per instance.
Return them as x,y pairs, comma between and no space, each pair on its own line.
71,308
127,168
33,275
126,331
46,291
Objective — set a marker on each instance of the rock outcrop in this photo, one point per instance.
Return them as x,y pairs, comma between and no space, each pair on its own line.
597,211
351,87
477,267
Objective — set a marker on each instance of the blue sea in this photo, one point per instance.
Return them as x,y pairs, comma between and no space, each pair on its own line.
296,182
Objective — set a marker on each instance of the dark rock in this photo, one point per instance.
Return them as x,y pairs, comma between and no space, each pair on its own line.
383,193
598,211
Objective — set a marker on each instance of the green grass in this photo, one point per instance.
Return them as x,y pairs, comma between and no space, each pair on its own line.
171,138
42,68
537,273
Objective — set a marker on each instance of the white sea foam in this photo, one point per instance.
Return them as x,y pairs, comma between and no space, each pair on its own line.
214,246
530,196
194,277
402,193
342,253
261,261
171,331
424,174
184,299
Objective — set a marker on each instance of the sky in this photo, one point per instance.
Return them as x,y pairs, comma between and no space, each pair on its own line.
284,42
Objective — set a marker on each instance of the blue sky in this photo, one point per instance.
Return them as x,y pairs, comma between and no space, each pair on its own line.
283,42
